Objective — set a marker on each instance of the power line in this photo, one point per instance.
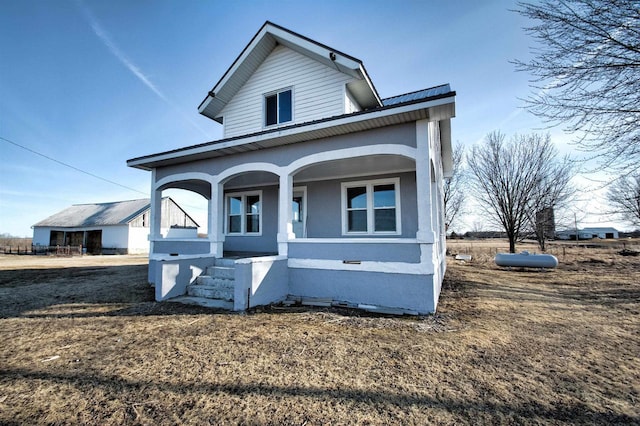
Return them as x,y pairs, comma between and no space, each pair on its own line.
71,167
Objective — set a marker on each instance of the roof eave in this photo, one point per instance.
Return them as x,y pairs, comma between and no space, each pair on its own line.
433,108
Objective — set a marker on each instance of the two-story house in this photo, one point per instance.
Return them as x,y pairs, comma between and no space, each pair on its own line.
318,190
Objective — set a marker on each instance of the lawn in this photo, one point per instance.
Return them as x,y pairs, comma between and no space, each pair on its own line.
83,342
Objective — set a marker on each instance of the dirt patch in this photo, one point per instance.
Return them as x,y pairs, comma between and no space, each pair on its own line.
523,347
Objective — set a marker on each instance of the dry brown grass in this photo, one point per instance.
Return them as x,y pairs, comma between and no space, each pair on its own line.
505,347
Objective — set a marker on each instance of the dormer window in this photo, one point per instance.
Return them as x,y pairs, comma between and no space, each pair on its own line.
278,107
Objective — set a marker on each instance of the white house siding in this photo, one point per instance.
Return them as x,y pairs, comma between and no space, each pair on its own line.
350,104
318,92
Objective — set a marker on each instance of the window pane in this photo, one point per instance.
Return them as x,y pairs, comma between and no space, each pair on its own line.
357,198
284,106
234,224
253,204
235,205
384,196
271,110
385,220
297,209
253,223
357,221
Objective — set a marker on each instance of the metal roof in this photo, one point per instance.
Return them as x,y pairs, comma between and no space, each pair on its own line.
83,215
436,103
417,95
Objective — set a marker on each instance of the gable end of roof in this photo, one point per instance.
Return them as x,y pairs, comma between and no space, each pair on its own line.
261,45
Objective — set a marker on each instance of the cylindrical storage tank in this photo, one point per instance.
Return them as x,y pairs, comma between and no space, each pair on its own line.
526,260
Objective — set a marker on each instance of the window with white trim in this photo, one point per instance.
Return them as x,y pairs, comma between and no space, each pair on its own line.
244,213
278,107
371,207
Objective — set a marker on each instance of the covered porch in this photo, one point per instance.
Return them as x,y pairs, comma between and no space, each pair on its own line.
352,223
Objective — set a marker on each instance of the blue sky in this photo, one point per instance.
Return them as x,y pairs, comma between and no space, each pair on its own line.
94,83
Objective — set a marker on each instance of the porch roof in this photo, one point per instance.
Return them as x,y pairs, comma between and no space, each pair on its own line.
437,103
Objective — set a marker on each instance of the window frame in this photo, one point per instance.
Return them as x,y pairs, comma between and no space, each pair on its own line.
277,95
369,185
243,213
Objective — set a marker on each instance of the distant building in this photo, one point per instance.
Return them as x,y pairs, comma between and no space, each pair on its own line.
604,233
112,228
588,233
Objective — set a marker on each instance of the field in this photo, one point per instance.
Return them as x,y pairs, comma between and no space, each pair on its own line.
83,342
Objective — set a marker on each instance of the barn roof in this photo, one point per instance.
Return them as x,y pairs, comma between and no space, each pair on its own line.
81,215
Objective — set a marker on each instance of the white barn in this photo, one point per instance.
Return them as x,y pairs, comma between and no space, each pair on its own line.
589,233
112,228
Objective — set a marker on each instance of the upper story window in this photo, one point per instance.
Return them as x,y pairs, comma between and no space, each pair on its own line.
244,213
371,207
278,107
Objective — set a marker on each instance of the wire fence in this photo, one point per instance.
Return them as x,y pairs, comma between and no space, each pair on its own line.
42,250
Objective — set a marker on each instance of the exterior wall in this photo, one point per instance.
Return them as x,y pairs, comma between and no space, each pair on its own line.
172,276
407,276
138,240
403,134
267,241
355,252
179,232
324,209
41,235
602,233
439,247
350,104
412,292
115,236
260,281
318,91
172,215
180,247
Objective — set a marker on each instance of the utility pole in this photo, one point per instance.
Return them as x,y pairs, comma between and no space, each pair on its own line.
575,221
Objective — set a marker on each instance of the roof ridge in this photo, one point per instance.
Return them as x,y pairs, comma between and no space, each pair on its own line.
111,202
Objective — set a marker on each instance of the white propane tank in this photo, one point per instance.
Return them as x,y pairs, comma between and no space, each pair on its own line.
526,260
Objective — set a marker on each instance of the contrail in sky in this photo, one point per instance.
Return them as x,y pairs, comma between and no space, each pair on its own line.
103,35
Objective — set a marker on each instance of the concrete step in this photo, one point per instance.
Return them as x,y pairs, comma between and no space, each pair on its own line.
215,282
202,301
211,292
227,272
229,263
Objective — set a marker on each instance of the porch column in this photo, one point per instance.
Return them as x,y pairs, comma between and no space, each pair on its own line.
425,233
216,219
155,216
285,227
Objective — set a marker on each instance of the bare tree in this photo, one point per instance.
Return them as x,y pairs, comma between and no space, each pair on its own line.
552,193
454,190
516,180
586,73
624,196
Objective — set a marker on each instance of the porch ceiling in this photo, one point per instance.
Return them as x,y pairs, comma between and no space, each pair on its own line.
348,167
361,166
